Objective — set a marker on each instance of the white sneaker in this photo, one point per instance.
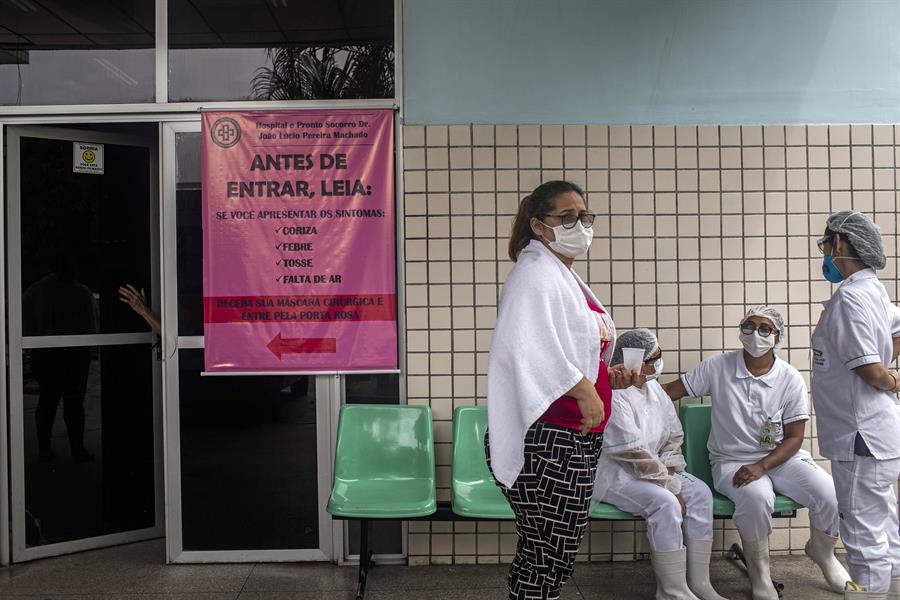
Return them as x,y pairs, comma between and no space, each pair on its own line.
894,591
862,594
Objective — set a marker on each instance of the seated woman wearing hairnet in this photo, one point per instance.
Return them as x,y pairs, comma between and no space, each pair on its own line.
641,471
759,414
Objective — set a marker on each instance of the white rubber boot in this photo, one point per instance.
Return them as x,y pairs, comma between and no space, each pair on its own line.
894,591
699,553
757,555
820,549
670,569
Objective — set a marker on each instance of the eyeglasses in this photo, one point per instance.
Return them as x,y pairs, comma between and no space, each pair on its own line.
828,239
653,359
569,220
748,327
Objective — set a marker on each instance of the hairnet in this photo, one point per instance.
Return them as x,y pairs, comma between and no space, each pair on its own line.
773,315
636,338
862,233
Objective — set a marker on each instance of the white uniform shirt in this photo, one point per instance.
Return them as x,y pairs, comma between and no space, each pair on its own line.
640,418
856,328
742,404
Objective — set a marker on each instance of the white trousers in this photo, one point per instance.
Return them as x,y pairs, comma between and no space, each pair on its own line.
799,478
666,529
868,503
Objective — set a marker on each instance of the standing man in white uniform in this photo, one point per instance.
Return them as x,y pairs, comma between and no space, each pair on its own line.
854,393
759,414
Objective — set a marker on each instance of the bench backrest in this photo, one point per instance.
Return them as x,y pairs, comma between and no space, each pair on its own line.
470,423
469,461
378,441
696,419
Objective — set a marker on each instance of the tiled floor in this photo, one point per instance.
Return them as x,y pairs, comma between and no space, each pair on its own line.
137,572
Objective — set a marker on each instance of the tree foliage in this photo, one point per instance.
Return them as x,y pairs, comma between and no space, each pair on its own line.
326,72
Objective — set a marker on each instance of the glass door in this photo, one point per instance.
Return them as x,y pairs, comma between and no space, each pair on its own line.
248,459
84,375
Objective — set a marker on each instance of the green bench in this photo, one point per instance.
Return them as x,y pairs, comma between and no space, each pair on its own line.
473,492
475,495
383,469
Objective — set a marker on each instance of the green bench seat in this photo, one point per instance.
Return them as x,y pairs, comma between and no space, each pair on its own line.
383,469
608,512
473,492
384,463
696,419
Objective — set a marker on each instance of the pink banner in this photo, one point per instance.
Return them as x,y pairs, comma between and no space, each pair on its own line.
298,241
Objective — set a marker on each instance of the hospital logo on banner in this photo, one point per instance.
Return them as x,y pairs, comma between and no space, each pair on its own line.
225,132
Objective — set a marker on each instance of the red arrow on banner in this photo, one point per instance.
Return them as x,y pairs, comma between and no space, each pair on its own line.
280,345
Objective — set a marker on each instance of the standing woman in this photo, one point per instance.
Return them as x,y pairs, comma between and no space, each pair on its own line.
549,389
855,396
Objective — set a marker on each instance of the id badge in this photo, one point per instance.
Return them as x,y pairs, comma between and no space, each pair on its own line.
769,434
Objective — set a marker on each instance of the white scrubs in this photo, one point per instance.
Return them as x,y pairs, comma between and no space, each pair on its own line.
641,441
856,328
744,409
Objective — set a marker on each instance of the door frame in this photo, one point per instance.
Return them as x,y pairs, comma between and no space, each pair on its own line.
328,393
17,342
329,388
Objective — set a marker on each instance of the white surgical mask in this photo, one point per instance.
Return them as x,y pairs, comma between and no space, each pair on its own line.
571,242
657,369
756,345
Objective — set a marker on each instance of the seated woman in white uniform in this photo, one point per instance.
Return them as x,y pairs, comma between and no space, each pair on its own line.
759,411
641,471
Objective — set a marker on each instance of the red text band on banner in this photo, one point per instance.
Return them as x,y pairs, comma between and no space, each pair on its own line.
247,309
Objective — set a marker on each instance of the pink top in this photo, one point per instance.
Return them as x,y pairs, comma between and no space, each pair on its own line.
565,412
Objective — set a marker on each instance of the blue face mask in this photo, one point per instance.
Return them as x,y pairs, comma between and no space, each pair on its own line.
830,272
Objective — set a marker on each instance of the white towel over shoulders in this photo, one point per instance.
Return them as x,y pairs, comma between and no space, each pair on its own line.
546,339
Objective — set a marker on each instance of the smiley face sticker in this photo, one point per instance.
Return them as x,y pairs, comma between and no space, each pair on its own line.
87,158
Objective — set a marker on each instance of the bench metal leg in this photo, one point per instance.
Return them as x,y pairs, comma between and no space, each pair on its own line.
738,553
365,557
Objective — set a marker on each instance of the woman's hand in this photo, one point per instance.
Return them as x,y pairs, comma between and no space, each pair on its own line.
619,378
638,379
138,303
133,298
681,501
592,411
748,474
589,403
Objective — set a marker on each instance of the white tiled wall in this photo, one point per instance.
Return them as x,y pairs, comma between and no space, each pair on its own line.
694,223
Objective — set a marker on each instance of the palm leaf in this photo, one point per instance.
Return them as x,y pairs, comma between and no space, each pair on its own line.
319,72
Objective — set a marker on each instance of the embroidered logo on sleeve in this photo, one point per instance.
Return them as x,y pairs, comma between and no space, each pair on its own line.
820,361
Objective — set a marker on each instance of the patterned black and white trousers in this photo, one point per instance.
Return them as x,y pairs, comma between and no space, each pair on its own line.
551,499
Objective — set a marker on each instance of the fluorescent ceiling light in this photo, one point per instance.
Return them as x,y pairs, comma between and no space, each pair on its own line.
116,72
